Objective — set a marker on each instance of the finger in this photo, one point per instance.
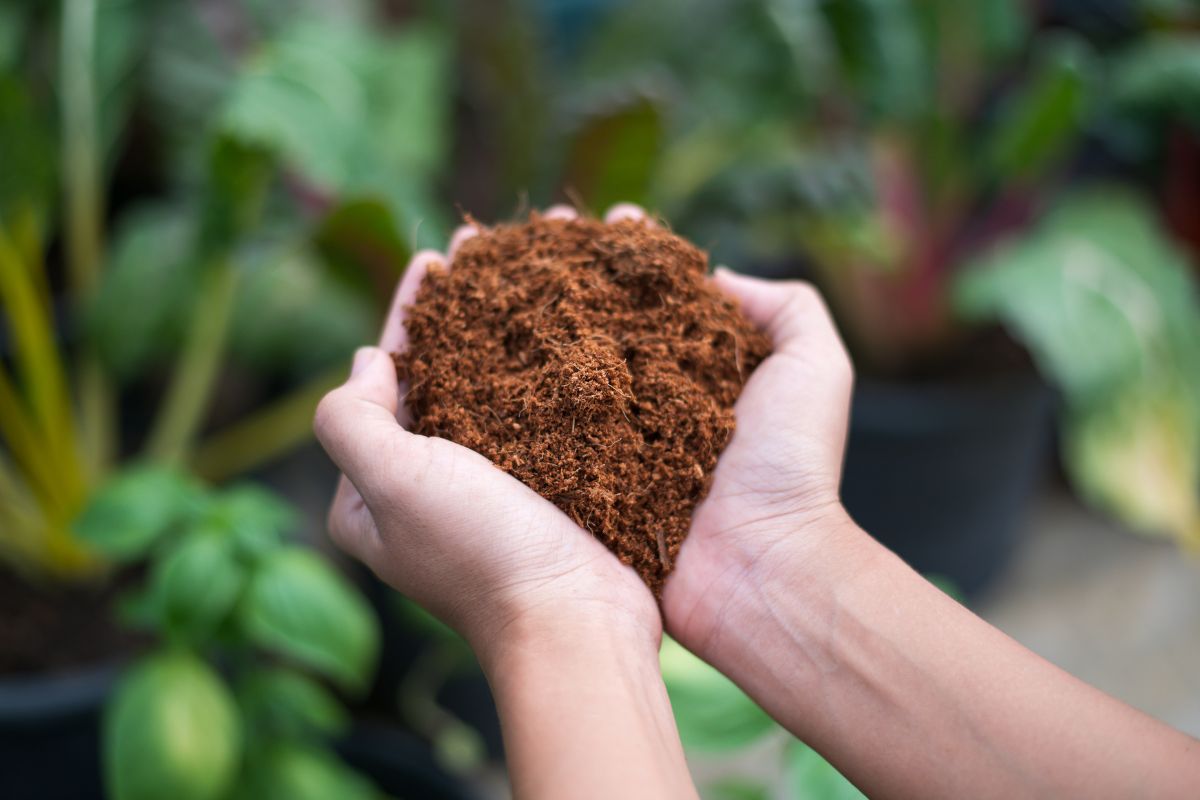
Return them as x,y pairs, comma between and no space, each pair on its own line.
808,368
560,211
461,234
792,313
624,211
356,422
394,339
350,524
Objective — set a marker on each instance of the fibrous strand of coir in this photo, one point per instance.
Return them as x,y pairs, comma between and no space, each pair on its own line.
593,362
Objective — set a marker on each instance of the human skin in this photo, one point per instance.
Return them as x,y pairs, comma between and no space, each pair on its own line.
567,636
903,689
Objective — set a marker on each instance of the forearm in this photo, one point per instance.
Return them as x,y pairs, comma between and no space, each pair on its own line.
585,714
910,694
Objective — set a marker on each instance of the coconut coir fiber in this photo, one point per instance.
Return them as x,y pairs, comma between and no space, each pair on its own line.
593,362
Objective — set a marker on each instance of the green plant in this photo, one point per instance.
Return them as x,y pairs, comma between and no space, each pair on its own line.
891,144
1107,306
295,172
719,723
226,704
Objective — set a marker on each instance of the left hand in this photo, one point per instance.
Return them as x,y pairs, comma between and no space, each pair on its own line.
442,524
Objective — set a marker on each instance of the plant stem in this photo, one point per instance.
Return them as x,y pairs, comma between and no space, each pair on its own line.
84,214
196,372
265,434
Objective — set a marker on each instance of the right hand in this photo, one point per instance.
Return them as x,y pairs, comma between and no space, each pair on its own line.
775,488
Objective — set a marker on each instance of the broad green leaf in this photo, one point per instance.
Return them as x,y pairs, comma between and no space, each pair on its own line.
1037,123
813,778
293,316
712,713
285,703
171,731
613,154
1109,309
196,584
298,606
135,510
302,772
351,111
256,518
1096,291
146,288
1161,71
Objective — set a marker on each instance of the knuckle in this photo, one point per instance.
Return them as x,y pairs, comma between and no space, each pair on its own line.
804,296
328,412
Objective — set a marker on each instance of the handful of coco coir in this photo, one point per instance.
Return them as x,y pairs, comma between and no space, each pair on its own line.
595,363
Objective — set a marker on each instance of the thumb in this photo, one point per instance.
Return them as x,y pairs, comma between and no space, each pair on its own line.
356,418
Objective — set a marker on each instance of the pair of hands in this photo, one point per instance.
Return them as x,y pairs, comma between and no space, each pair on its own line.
496,561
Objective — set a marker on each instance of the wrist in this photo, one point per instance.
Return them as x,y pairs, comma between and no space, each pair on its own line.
805,560
555,630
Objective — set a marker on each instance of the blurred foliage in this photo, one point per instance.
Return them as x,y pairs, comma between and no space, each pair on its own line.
1109,308
228,706
717,721
282,173
887,145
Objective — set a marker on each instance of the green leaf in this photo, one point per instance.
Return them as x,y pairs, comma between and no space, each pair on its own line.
284,703
236,183
351,111
302,772
1138,456
1042,118
883,54
27,179
298,606
146,289
257,518
171,731
735,789
293,316
1160,72
811,776
613,154
1108,307
197,583
359,236
135,510
13,25
712,714
121,35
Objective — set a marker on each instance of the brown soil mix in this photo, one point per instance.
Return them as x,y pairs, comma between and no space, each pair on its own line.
594,362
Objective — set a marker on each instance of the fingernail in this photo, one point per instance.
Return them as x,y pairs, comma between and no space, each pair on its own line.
722,270
362,357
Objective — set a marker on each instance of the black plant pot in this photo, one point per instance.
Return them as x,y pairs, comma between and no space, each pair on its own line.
50,734
942,473
400,764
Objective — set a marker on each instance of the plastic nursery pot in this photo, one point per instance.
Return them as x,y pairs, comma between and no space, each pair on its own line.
50,734
942,473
